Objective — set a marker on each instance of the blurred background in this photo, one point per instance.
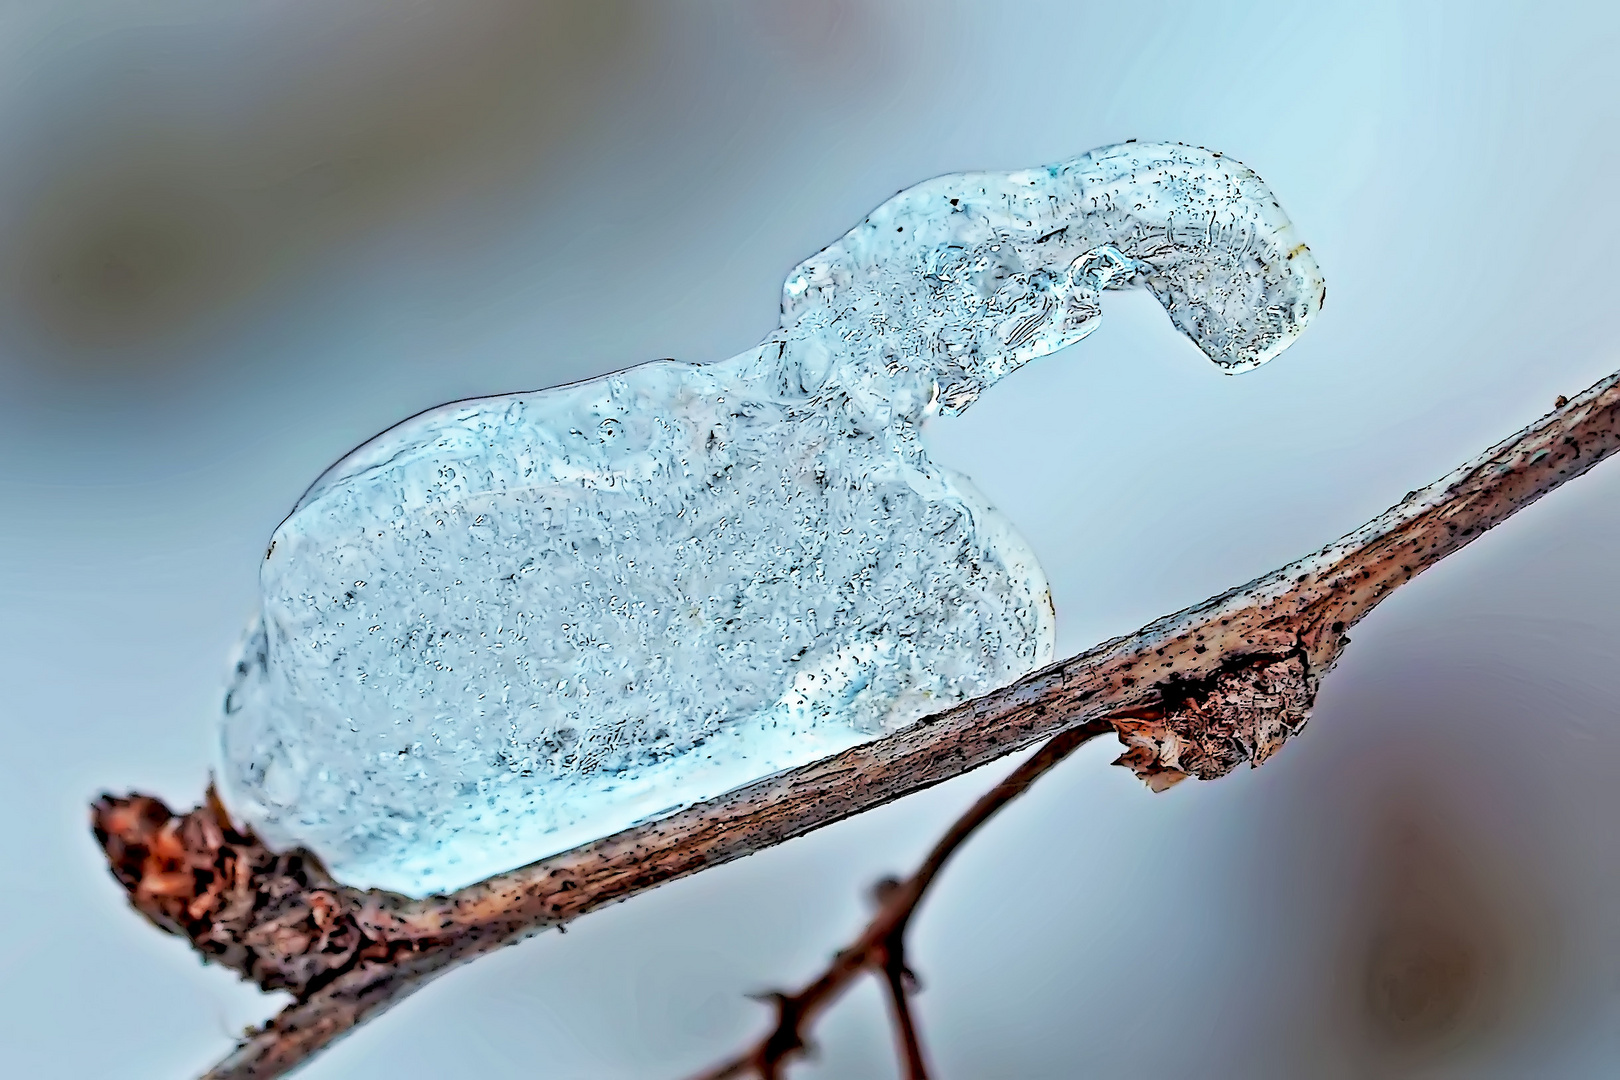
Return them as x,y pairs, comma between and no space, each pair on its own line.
238,239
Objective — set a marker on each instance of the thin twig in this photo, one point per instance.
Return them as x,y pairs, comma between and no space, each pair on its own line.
899,980
1194,693
880,948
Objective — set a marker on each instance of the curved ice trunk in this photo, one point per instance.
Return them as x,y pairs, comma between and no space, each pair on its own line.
964,278
516,624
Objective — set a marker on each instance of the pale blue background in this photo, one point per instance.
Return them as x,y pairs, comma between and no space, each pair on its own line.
234,245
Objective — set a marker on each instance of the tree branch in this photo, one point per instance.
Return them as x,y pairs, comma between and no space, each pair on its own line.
1194,693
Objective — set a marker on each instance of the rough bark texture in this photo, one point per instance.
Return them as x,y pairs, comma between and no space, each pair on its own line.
1207,727
1194,693
277,919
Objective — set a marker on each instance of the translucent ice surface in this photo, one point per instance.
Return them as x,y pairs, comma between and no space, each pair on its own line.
512,625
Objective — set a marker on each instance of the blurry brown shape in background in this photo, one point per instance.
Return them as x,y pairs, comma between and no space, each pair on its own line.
1435,959
1449,941
123,260
150,210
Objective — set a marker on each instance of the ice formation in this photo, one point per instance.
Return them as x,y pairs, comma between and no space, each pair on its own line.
516,624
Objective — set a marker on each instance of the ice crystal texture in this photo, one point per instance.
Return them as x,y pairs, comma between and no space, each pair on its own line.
512,625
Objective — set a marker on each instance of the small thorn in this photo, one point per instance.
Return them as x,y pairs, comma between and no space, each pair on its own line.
884,888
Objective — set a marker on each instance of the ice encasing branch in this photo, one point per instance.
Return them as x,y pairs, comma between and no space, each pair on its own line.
1193,693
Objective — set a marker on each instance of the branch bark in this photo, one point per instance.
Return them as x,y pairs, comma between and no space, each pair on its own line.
1195,693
